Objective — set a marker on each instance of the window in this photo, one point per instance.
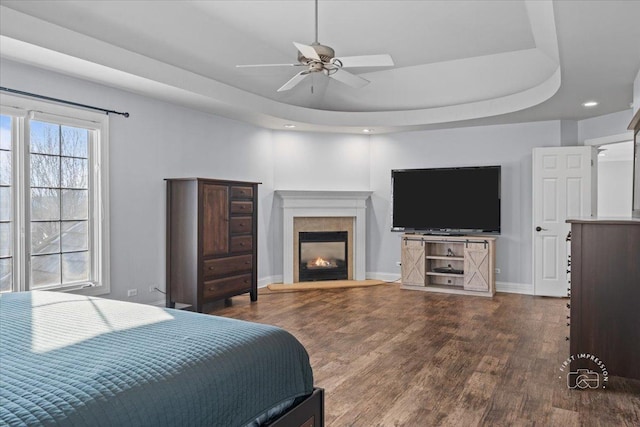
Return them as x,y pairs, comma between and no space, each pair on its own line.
53,198
6,204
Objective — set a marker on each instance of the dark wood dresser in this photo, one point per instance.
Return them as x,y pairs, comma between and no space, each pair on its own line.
605,294
211,240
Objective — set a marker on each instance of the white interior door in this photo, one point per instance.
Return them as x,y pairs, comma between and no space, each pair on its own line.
564,186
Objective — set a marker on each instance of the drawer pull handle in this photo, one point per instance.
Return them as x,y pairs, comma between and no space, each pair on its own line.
241,243
211,268
247,263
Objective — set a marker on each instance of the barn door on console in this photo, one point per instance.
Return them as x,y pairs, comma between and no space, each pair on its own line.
564,186
476,266
413,262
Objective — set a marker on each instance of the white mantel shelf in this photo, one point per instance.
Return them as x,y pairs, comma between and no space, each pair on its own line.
320,203
299,198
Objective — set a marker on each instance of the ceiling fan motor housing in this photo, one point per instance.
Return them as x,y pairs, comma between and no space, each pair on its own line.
325,53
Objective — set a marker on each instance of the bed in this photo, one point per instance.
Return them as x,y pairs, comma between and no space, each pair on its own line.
73,360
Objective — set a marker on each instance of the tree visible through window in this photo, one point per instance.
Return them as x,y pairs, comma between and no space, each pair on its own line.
59,174
54,199
6,205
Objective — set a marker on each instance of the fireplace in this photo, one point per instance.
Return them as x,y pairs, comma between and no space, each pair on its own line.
323,255
319,210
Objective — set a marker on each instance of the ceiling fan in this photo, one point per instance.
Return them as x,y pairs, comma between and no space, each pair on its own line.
320,58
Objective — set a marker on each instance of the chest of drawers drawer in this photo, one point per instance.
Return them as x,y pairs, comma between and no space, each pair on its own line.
239,207
241,225
241,243
238,192
226,266
221,288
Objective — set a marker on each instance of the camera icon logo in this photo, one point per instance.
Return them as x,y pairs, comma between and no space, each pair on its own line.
583,378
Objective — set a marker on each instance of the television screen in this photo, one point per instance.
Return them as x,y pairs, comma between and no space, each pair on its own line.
447,200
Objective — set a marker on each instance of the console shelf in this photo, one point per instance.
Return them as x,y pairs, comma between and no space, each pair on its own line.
445,257
472,258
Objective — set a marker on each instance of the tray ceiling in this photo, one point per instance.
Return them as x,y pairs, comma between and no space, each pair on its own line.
455,62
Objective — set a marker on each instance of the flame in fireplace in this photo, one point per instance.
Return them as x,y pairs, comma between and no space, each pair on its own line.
321,262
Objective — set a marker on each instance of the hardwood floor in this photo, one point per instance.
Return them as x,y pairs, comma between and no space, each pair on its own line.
392,357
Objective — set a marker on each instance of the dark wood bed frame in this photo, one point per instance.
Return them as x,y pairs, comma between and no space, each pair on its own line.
308,413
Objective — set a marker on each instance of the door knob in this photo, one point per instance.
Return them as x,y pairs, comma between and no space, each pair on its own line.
538,228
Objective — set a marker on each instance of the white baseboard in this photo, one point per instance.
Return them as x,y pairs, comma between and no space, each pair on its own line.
515,288
263,282
387,277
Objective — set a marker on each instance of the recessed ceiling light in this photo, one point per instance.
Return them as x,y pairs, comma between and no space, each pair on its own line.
590,104
289,126
367,130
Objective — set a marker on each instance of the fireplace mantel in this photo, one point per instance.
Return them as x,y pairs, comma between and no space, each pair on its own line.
319,203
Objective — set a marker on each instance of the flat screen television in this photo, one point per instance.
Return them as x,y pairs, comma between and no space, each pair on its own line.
458,200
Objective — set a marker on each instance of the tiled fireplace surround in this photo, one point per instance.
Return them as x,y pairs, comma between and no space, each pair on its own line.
324,211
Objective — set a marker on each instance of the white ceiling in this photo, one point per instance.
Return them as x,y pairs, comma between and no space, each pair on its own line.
457,63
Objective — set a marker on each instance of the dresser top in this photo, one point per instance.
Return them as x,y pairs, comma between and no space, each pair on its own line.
212,180
606,220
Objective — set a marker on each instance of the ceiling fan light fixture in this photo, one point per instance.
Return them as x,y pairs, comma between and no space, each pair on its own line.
317,58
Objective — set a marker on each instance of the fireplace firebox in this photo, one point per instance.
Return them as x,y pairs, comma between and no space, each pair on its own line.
322,255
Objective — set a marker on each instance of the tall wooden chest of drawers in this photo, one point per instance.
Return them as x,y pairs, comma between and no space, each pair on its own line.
211,240
605,294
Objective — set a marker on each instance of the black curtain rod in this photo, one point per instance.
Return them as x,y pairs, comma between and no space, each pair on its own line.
62,101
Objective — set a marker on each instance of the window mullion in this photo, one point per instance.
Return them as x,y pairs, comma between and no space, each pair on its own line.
22,206
60,204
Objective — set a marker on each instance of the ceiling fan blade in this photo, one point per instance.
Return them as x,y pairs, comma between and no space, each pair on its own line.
366,61
349,79
268,65
294,81
307,51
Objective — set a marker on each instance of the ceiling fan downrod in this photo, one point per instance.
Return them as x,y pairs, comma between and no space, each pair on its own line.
316,40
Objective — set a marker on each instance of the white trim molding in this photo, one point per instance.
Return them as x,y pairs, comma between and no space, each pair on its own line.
515,288
611,139
319,203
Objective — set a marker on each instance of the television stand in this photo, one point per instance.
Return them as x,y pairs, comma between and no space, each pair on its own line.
442,233
451,264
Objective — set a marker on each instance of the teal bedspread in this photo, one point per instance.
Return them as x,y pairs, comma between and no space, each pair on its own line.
82,361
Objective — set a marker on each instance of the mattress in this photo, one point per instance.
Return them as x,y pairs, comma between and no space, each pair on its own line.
73,360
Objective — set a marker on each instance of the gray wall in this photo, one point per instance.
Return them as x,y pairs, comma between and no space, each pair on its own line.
507,145
636,93
163,140
614,187
158,141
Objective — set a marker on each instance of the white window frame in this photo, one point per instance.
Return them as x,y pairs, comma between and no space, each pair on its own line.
23,110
